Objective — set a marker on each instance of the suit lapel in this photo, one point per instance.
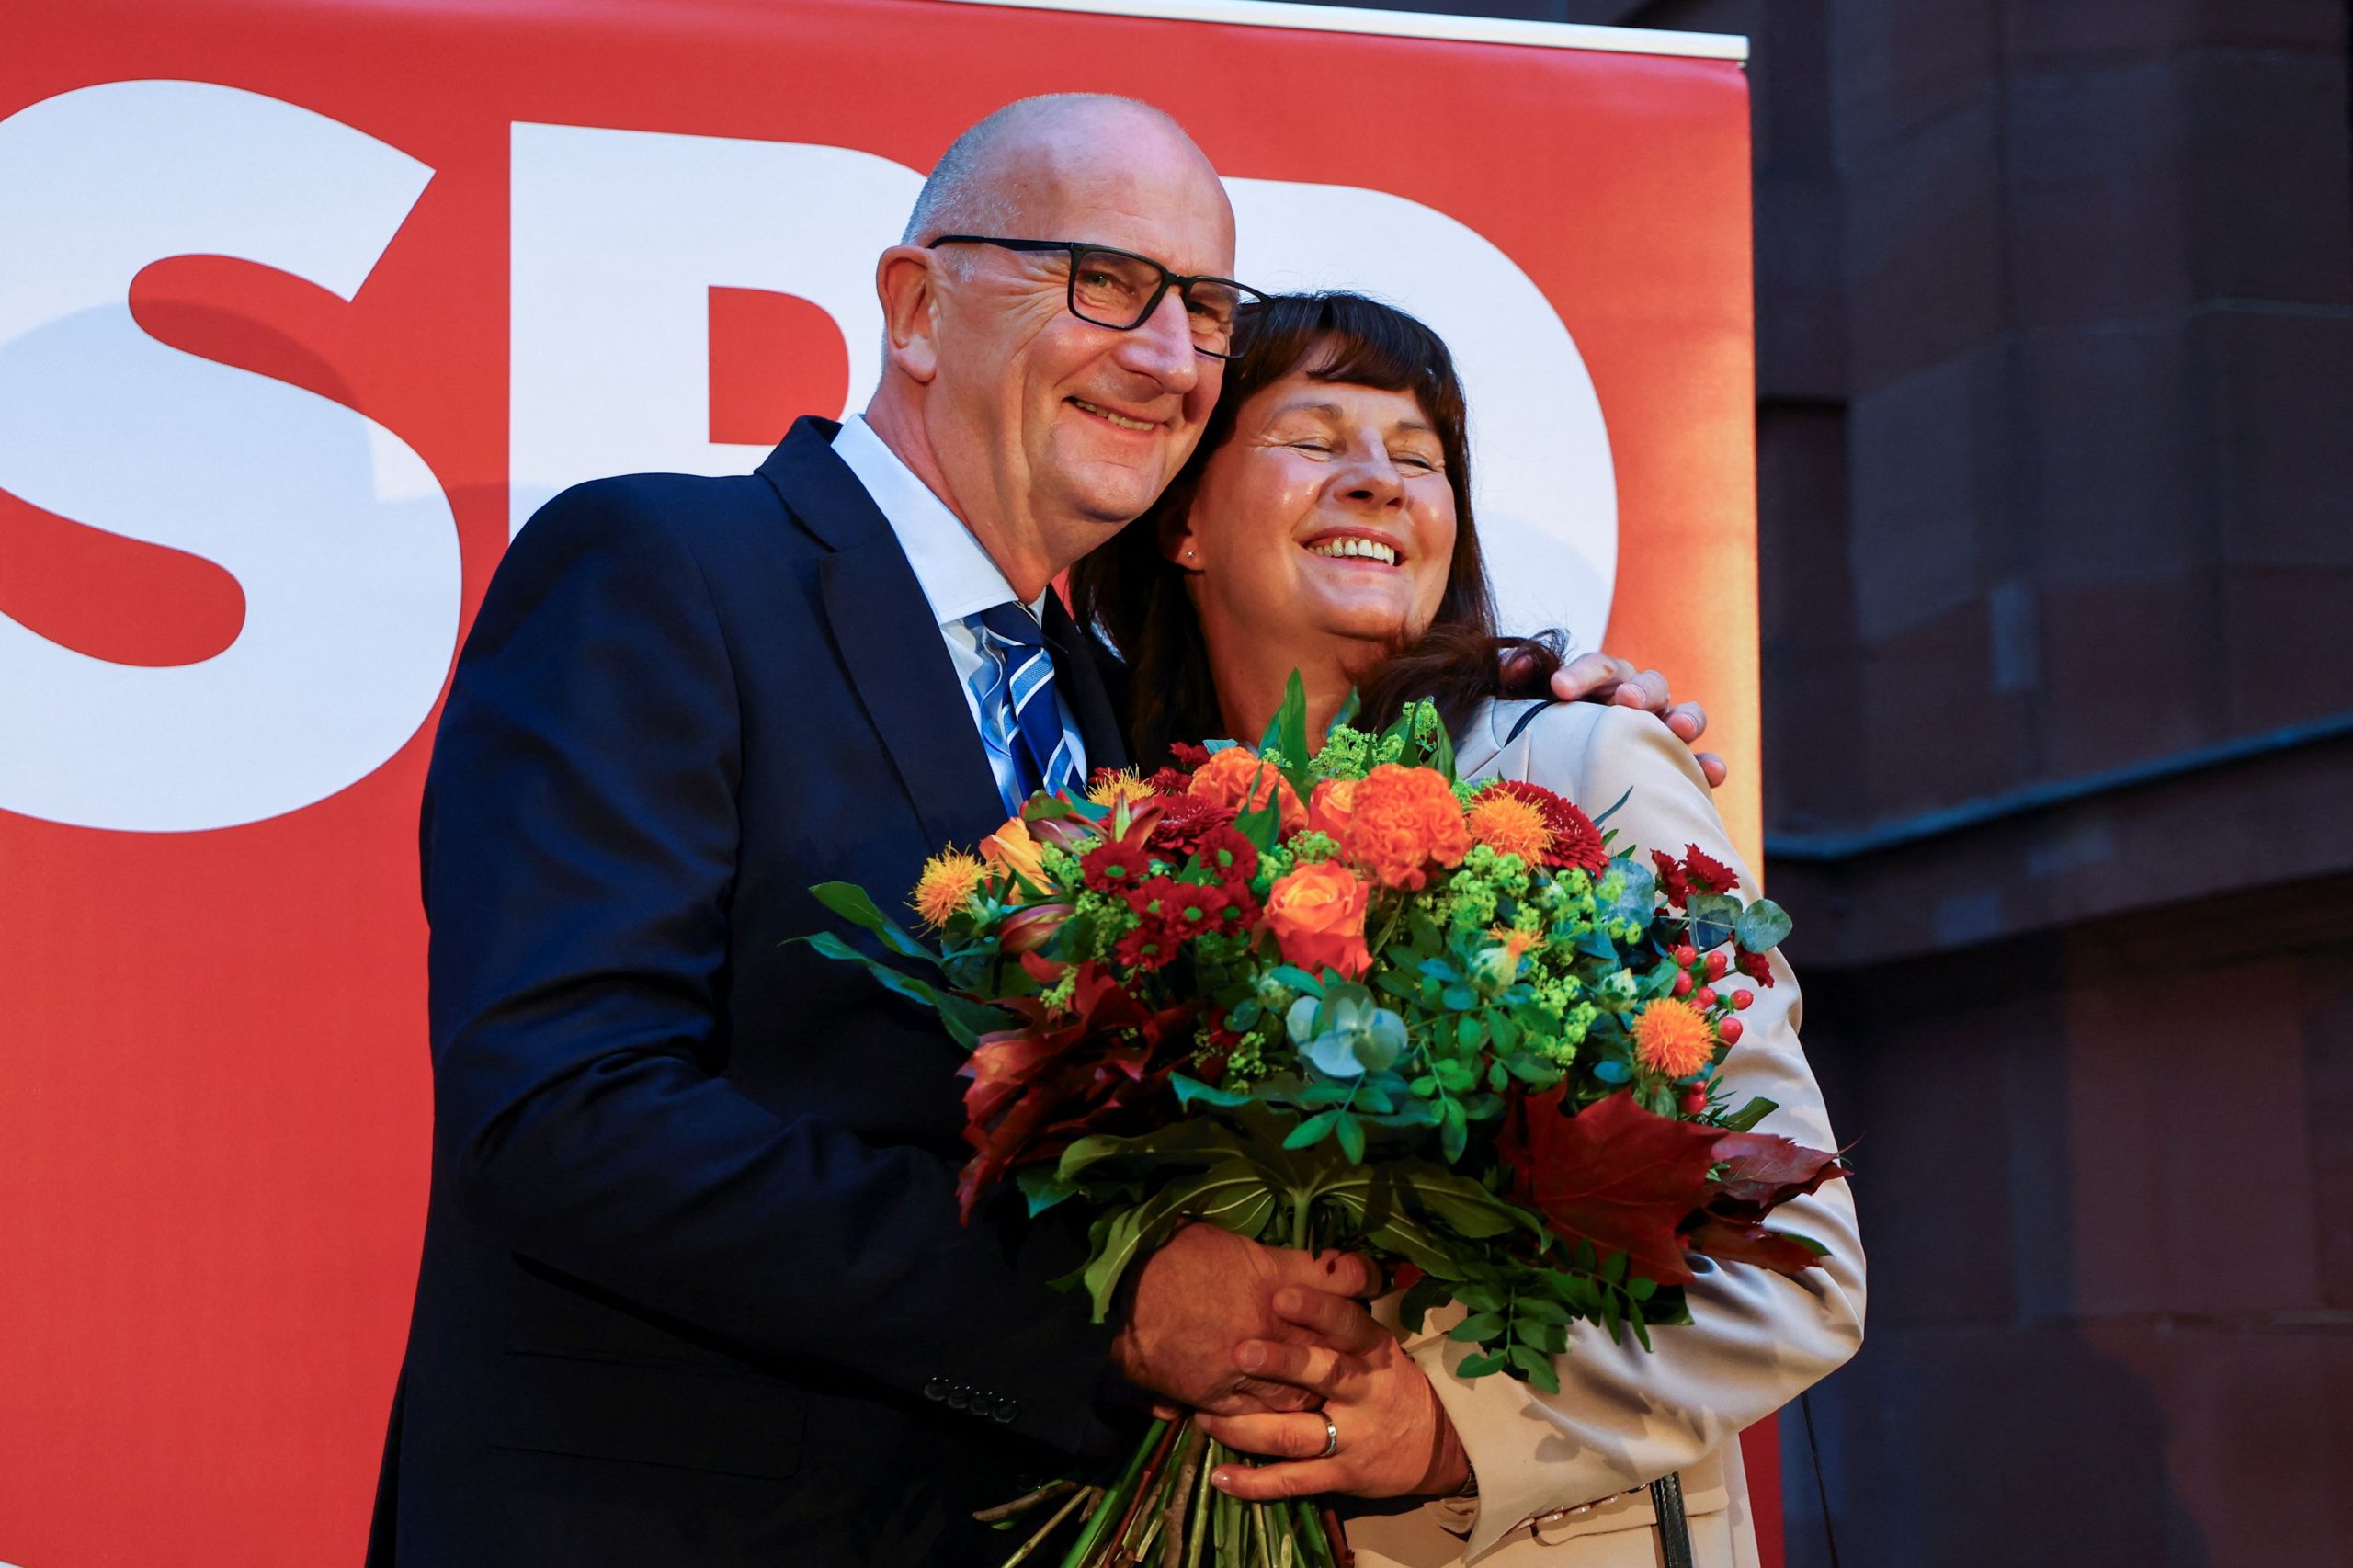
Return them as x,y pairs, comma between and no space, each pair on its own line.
889,642
1081,680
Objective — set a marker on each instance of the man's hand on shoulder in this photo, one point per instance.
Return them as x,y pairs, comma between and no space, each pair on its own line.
1208,1290
1600,678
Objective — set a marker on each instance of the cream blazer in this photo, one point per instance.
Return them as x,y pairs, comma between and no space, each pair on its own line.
1563,1477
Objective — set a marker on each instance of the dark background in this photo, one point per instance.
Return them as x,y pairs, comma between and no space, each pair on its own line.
2055,430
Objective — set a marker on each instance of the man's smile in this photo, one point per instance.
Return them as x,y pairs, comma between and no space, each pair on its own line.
1124,421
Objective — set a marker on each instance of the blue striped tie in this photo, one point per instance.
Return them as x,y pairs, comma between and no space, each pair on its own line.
1021,723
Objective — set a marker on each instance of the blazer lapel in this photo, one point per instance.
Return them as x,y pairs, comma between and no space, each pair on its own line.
889,642
1080,678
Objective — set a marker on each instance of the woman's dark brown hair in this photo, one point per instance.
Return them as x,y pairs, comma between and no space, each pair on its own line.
1136,598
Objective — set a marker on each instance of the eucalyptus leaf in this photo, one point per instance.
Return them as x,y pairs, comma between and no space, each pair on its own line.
1762,926
1713,917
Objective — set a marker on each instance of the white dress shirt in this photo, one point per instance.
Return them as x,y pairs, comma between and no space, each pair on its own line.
957,576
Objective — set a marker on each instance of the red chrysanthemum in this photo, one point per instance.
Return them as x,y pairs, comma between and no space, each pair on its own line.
1759,967
1708,874
1190,908
1575,840
1152,943
1671,884
1182,822
1169,782
1226,855
1188,756
1115,867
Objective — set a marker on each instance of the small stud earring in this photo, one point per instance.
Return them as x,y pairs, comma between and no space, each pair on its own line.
1188,552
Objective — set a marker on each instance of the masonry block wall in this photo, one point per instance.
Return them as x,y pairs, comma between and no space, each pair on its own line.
2055,419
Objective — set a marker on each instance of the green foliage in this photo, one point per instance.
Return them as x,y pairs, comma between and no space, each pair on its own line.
1396,1111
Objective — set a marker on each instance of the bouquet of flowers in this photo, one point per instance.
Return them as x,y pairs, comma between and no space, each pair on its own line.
1346,999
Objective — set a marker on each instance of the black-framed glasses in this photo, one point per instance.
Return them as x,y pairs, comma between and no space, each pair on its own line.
1120,290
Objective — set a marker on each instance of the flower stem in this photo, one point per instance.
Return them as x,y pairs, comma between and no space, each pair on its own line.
1050,1526
1199,1534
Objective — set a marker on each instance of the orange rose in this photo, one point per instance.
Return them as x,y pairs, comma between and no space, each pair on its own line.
1331,806
1317,915
1237,780
1010,848
1405,821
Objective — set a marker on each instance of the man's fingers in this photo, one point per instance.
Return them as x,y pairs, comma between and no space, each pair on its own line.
1712,769
1687,720
1315,1366
1266,1483
1299,1437
1589,675
1646,690
1336,1320
1341,1273
1261,1394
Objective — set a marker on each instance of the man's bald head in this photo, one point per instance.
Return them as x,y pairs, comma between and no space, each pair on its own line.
993,177
1046,431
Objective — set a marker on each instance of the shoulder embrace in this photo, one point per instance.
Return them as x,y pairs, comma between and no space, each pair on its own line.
1592,738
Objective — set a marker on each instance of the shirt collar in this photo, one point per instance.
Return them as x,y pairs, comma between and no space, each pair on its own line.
956,575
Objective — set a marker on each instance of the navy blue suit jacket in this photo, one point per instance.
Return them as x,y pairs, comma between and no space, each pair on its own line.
693,1289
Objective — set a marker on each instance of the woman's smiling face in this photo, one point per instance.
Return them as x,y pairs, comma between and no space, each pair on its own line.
1327,516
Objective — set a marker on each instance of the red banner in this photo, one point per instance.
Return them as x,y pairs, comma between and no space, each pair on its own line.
304,307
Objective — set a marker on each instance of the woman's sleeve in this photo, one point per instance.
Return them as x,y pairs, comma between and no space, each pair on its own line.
1758,1338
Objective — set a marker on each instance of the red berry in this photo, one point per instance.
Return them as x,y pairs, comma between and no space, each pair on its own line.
1685,955
1741,999
1682,983
1729,1031
1717,965
1706,997
1694,1101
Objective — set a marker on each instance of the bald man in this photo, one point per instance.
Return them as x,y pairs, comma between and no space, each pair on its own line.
693,1288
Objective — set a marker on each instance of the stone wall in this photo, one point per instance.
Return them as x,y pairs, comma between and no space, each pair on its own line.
2055,418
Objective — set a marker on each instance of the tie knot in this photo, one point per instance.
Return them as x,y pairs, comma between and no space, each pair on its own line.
1011,623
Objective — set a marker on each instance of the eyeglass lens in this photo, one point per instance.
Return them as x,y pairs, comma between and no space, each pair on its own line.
1118,291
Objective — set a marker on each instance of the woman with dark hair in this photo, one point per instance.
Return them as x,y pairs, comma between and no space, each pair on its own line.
1324,525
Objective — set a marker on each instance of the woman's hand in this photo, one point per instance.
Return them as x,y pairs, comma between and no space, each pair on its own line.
1394,1438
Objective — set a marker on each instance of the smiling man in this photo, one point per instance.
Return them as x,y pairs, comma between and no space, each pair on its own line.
693,1289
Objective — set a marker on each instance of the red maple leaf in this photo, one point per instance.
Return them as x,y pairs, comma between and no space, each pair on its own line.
1763,1172
1729,1240
1614,1175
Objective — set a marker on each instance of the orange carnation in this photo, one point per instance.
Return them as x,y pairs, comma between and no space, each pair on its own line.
1405,820
1672,1038
1317,915
1510,825
1236,779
